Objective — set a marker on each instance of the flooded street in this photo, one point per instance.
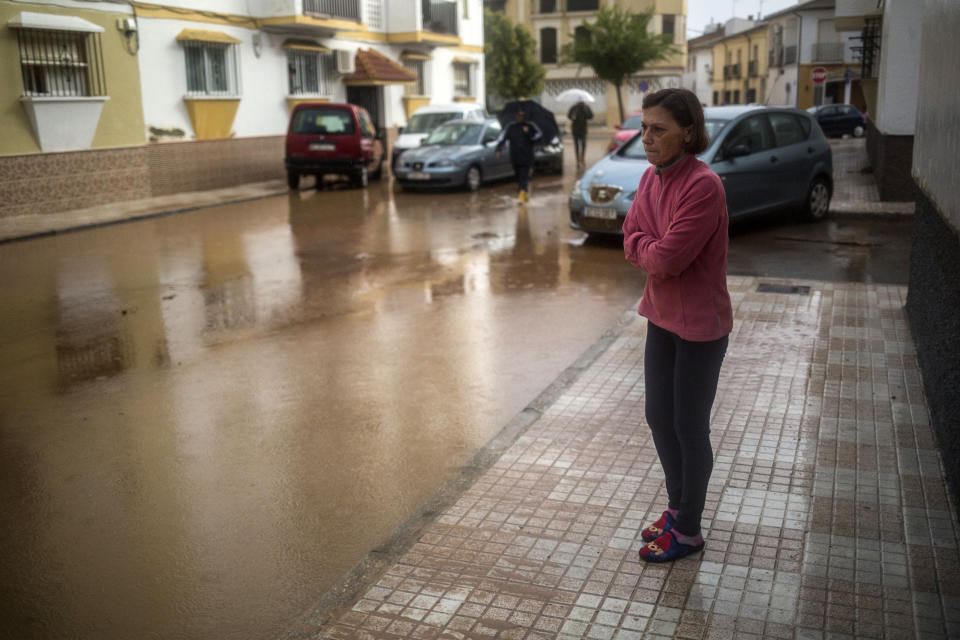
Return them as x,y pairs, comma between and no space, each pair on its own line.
207,419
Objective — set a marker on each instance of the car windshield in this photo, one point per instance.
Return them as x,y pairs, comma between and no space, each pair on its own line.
633,122
634,147
427,122
319,121
455,133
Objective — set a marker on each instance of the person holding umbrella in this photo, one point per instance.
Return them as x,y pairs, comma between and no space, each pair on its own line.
521,135
578,116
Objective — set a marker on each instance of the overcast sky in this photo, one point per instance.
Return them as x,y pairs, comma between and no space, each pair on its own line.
699,12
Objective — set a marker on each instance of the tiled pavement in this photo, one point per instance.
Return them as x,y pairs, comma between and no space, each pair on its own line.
827,515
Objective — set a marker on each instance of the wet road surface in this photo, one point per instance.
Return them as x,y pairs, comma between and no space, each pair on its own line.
207,419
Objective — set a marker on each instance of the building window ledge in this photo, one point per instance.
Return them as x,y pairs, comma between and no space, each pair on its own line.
211,116
64,123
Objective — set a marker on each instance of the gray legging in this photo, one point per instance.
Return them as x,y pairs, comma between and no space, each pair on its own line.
681,383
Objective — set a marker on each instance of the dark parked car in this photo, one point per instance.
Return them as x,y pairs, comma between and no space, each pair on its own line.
840,119
768,158
331,138
458,153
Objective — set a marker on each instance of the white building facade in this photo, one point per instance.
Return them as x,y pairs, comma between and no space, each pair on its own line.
221,69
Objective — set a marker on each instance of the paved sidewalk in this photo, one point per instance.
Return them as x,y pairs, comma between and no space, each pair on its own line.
827,515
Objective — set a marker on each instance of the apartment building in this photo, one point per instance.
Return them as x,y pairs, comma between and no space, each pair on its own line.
553,23
808,36
739,70
156,98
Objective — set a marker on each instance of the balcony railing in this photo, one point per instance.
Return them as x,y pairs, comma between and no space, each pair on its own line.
345,9
583,5
827,52
790,54
753,68
440,16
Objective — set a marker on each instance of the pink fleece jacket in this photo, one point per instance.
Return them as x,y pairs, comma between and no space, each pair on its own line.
676,231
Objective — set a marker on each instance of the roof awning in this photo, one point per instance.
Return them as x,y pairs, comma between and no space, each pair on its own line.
201,35
414,55
52,22
305,45
465,60
374,68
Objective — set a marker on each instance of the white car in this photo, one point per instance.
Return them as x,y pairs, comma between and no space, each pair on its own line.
426,119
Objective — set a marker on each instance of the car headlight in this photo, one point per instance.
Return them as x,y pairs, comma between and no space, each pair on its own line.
443,163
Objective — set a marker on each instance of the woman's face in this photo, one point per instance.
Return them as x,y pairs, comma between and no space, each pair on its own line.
663,139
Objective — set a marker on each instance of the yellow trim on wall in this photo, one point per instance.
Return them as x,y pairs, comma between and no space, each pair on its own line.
464,98
212,118
425,36
292,102
202,35
304,45
309,21
465,60
412,103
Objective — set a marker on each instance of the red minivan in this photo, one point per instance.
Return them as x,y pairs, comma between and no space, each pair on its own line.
326,137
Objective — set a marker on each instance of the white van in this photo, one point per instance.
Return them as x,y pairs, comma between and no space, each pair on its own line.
429,117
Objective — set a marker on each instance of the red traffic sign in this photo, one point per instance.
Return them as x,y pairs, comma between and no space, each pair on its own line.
819,75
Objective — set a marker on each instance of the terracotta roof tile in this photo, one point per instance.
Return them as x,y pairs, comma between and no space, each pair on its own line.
373,66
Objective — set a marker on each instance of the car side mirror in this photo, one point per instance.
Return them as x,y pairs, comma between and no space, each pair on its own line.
618,126
399,130
737,151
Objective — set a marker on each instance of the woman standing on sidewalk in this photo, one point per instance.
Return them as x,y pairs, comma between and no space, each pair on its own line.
676,231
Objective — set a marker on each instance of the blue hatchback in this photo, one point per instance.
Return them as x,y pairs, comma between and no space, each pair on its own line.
768,158
840,119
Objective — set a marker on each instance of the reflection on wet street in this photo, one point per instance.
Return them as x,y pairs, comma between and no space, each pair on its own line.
207,419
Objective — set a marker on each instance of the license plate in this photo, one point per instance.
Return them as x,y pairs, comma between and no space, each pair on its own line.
418,175
602,213
322,146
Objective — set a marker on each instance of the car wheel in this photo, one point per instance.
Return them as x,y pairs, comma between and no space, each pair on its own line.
293,180
361,177
858,131
473,178
818,200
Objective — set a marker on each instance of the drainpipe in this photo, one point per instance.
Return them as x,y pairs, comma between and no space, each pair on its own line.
796,100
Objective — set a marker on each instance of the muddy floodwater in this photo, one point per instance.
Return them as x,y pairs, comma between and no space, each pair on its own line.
207,419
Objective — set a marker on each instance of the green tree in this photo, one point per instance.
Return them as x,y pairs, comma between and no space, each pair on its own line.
510,53
617,45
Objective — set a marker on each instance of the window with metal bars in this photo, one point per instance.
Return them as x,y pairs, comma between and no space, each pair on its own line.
310,73
61,63
461,79
418,88
211,69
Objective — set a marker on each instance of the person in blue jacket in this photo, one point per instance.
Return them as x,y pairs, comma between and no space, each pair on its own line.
521,135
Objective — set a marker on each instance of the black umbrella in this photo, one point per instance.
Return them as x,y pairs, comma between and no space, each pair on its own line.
535,112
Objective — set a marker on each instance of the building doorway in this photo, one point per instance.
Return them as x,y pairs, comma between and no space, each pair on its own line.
371,99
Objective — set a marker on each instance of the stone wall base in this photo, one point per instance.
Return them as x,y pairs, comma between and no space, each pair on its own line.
53,182
892,160
933,301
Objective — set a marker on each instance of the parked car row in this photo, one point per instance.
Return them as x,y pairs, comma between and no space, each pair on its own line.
442,146
768,158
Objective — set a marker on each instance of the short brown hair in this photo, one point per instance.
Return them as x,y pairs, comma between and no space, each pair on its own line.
685,108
